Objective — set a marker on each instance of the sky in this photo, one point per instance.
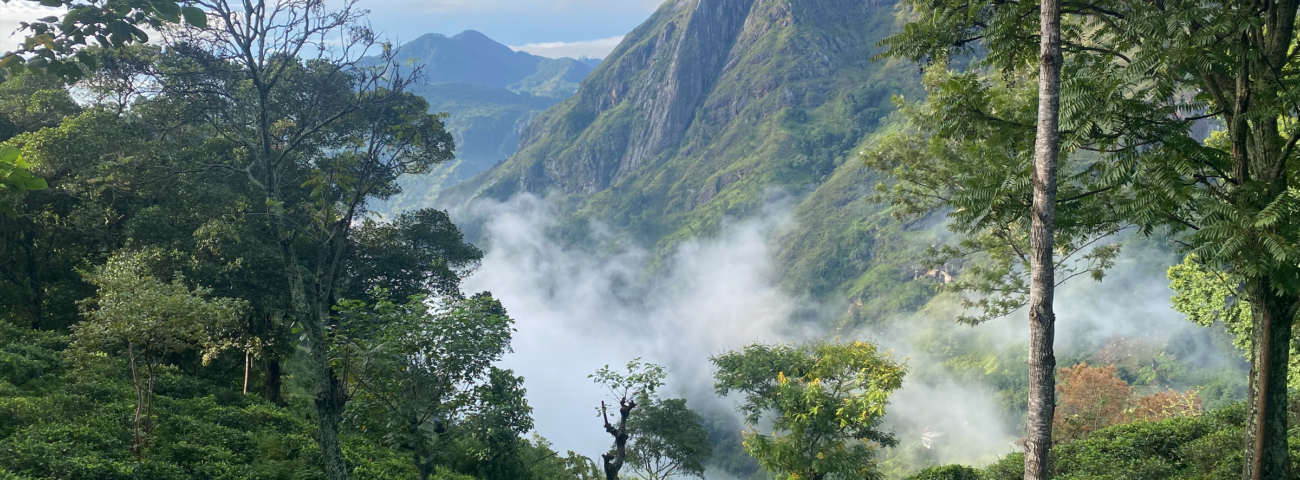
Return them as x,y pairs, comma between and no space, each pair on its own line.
550,28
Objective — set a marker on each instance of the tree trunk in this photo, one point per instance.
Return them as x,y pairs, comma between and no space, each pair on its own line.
1042,319
329,408
34,284
1266,425
139,399
614,462
312,317
248,365
271,385
148,412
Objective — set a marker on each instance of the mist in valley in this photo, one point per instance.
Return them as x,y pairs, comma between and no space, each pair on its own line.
579,308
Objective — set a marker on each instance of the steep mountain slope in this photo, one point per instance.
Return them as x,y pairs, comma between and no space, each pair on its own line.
490,93
706,110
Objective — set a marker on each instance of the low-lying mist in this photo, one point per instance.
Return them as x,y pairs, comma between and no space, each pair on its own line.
578,310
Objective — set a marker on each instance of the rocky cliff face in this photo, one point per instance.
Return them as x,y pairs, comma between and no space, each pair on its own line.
705,109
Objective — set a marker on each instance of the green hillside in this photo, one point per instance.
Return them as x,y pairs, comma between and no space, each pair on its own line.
710,107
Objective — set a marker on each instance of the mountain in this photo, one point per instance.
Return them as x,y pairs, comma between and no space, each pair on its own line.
490,92
709,107
471,57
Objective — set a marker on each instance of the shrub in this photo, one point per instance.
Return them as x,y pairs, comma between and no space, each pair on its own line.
947,472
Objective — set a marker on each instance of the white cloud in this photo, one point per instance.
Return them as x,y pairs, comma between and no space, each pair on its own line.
578,310
588,48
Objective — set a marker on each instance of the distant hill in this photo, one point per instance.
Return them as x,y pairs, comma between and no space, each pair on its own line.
473,58
708,107
491,93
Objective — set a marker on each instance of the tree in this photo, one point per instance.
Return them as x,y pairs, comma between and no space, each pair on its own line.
1091,398
547,464
151,318
30,101
317,138
1210,297
1042,277
417,252
15,178
638,383
1141,75
825,401
498,418
416,367
668,439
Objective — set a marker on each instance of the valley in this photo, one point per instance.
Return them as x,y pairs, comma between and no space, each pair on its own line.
758,240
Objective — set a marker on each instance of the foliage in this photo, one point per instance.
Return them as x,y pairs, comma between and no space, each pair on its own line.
1207,297
1092,398
667,439
15,177
949,154
1210,297
825,402
1178,448
66,419
417,252
495,422
416,366
630,390
53,44
1141,75
151,319
947,472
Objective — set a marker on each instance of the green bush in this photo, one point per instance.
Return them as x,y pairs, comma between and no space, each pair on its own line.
947,472
1208,447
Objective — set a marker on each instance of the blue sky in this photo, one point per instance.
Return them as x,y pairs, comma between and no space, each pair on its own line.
543,27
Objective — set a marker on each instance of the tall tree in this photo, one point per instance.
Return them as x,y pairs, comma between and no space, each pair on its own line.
1140,77
1042,278
318,138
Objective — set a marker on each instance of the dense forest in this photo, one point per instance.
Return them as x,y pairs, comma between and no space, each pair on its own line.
220,255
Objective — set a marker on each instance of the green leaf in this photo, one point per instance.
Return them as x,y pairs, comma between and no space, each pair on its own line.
9,154
167,8
195,16
52,3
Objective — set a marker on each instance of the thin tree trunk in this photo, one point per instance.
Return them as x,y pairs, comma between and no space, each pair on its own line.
148,415
139,399
1042,318
271,385
248,365
1266,448
34,284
